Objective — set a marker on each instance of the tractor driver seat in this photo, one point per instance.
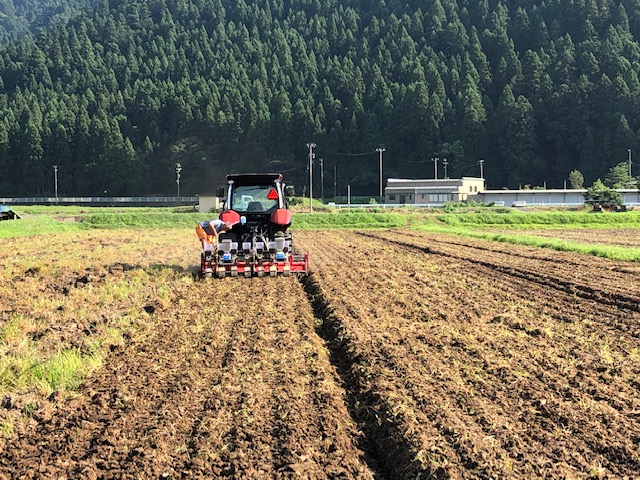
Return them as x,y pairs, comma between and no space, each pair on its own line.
255,207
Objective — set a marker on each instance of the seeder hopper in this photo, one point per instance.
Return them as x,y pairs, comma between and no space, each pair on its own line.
259,242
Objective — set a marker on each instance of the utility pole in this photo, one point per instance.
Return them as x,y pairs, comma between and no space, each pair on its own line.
322,178
178,170
380,150
435,166
445,163
311,146
55,177
629,150
335,182
481,163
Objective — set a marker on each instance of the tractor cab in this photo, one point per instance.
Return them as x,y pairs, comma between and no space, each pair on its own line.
255,192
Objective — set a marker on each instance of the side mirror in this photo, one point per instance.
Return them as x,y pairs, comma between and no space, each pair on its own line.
290,191
220,192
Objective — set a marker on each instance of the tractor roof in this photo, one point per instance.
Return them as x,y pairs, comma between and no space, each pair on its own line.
254,178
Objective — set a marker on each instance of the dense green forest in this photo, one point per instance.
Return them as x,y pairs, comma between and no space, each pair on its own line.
22,17
116,96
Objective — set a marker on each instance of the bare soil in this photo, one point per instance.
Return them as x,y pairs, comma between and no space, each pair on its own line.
623,237
485,360
404,354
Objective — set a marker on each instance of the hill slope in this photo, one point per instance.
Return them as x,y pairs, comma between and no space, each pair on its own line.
117,97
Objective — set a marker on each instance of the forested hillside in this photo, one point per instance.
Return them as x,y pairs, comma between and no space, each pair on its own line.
116,97
22,17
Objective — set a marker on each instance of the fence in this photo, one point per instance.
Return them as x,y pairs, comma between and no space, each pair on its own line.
103,201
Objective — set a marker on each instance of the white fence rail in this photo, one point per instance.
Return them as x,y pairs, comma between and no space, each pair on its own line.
150,201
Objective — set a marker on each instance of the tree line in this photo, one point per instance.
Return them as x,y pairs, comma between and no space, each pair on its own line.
116,95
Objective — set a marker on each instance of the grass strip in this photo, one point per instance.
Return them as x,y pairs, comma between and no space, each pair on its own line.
564,219
164,218
36,226
342,219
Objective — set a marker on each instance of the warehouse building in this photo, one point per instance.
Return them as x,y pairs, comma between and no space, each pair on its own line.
549,197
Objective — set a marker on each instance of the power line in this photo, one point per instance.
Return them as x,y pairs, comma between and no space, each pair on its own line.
351,154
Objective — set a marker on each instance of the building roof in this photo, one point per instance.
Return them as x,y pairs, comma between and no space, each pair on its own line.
432,179
418,189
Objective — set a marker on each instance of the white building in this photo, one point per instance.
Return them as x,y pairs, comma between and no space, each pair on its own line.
551,197
432,191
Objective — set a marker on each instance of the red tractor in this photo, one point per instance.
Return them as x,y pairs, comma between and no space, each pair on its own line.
259,242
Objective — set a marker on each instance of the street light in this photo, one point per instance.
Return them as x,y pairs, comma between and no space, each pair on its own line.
178,170
311,146
481,163
55,176
380,150
322,178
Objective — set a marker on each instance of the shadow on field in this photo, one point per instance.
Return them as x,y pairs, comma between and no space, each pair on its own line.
387,449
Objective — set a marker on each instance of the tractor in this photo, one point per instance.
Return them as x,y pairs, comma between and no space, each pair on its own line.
259,242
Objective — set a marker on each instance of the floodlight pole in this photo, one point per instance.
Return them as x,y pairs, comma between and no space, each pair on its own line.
55,176
322,178
380,150
178,170
311,146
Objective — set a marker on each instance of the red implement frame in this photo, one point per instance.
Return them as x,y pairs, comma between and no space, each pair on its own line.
296,264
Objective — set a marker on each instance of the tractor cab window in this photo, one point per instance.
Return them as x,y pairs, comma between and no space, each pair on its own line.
254,198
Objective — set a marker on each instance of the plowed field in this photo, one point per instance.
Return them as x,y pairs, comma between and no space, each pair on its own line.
625,237
404,354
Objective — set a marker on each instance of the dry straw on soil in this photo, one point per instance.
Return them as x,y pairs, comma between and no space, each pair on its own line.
404,354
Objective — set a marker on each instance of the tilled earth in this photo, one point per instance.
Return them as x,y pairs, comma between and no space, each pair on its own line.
624,237
403,354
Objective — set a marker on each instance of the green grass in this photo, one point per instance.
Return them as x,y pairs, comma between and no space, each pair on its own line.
49,220
35,226
345,219
511,218
64,371
153,219
46,220
57,210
